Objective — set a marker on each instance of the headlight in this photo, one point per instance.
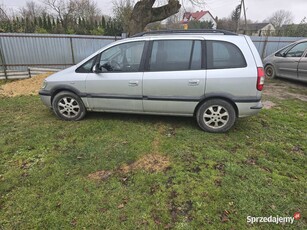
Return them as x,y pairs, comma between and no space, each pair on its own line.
44,85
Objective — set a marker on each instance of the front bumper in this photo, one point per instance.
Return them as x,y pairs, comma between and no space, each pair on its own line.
46,98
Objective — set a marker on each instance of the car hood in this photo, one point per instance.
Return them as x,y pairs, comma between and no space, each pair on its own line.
268,59
61,74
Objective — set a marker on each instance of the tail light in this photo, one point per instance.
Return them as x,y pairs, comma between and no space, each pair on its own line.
260,78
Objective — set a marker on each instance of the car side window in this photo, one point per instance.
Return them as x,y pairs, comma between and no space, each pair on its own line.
298,50
196,56
224,55
175,55
122,58
87,66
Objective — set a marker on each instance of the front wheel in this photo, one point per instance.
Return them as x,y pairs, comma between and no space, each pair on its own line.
270,72
216,116
68,106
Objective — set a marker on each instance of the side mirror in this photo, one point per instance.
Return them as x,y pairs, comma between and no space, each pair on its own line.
98,69
280,54
95,68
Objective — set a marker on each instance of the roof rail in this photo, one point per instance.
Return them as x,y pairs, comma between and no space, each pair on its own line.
192,31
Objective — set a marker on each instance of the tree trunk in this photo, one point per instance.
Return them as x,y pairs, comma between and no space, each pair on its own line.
144,13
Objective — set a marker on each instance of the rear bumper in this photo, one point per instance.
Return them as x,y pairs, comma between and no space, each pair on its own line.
249,109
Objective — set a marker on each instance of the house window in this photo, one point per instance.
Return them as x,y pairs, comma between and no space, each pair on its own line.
224,55
175,55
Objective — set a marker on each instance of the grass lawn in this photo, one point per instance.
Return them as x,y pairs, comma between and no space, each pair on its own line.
213,181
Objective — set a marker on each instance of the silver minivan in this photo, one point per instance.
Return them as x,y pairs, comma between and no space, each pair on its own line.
213,75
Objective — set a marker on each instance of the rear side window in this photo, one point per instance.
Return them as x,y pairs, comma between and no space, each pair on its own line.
175,55
224,55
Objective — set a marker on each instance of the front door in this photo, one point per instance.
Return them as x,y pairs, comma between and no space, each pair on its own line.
288,65
174,79
302,68
118,85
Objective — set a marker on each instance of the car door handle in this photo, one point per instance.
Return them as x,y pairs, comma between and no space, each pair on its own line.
194,82
133,83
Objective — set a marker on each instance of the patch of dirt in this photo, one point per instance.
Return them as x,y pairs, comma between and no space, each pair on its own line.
268,104
224,216
220,167
100,175
149,163
281,90
251,161
29,86
152,162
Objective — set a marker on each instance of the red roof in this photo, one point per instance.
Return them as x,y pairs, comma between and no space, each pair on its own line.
187,16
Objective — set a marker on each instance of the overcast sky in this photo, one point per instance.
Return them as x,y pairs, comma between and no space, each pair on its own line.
257,10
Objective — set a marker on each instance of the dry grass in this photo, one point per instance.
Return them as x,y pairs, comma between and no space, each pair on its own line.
29,86
149,163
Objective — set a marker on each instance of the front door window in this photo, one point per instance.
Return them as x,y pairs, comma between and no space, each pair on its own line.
298,50
122,58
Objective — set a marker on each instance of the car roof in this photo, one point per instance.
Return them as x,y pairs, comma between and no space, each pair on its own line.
191,31
302,40
178,34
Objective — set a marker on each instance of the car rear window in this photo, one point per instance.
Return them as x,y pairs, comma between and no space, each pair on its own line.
224,55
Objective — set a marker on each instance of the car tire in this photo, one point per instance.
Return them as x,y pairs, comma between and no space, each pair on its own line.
216,116
270,72
68,106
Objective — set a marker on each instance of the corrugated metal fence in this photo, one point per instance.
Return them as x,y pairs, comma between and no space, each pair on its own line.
268,45
18,52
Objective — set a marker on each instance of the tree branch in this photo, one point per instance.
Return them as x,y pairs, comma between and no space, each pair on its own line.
162,12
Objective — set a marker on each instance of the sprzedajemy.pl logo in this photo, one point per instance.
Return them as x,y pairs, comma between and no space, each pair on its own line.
273,219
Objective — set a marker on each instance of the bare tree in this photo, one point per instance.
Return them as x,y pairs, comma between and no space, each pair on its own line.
3,14
122,11
59,7
281,17
175,19
84,9
144,12
32,10
69,11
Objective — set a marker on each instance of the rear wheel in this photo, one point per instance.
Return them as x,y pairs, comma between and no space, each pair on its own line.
216,116
68,106
270,72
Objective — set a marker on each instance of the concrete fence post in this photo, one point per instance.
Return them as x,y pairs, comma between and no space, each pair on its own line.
3,60
72,51
265,43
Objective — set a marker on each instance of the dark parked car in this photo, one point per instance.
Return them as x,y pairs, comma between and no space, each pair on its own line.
288,62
